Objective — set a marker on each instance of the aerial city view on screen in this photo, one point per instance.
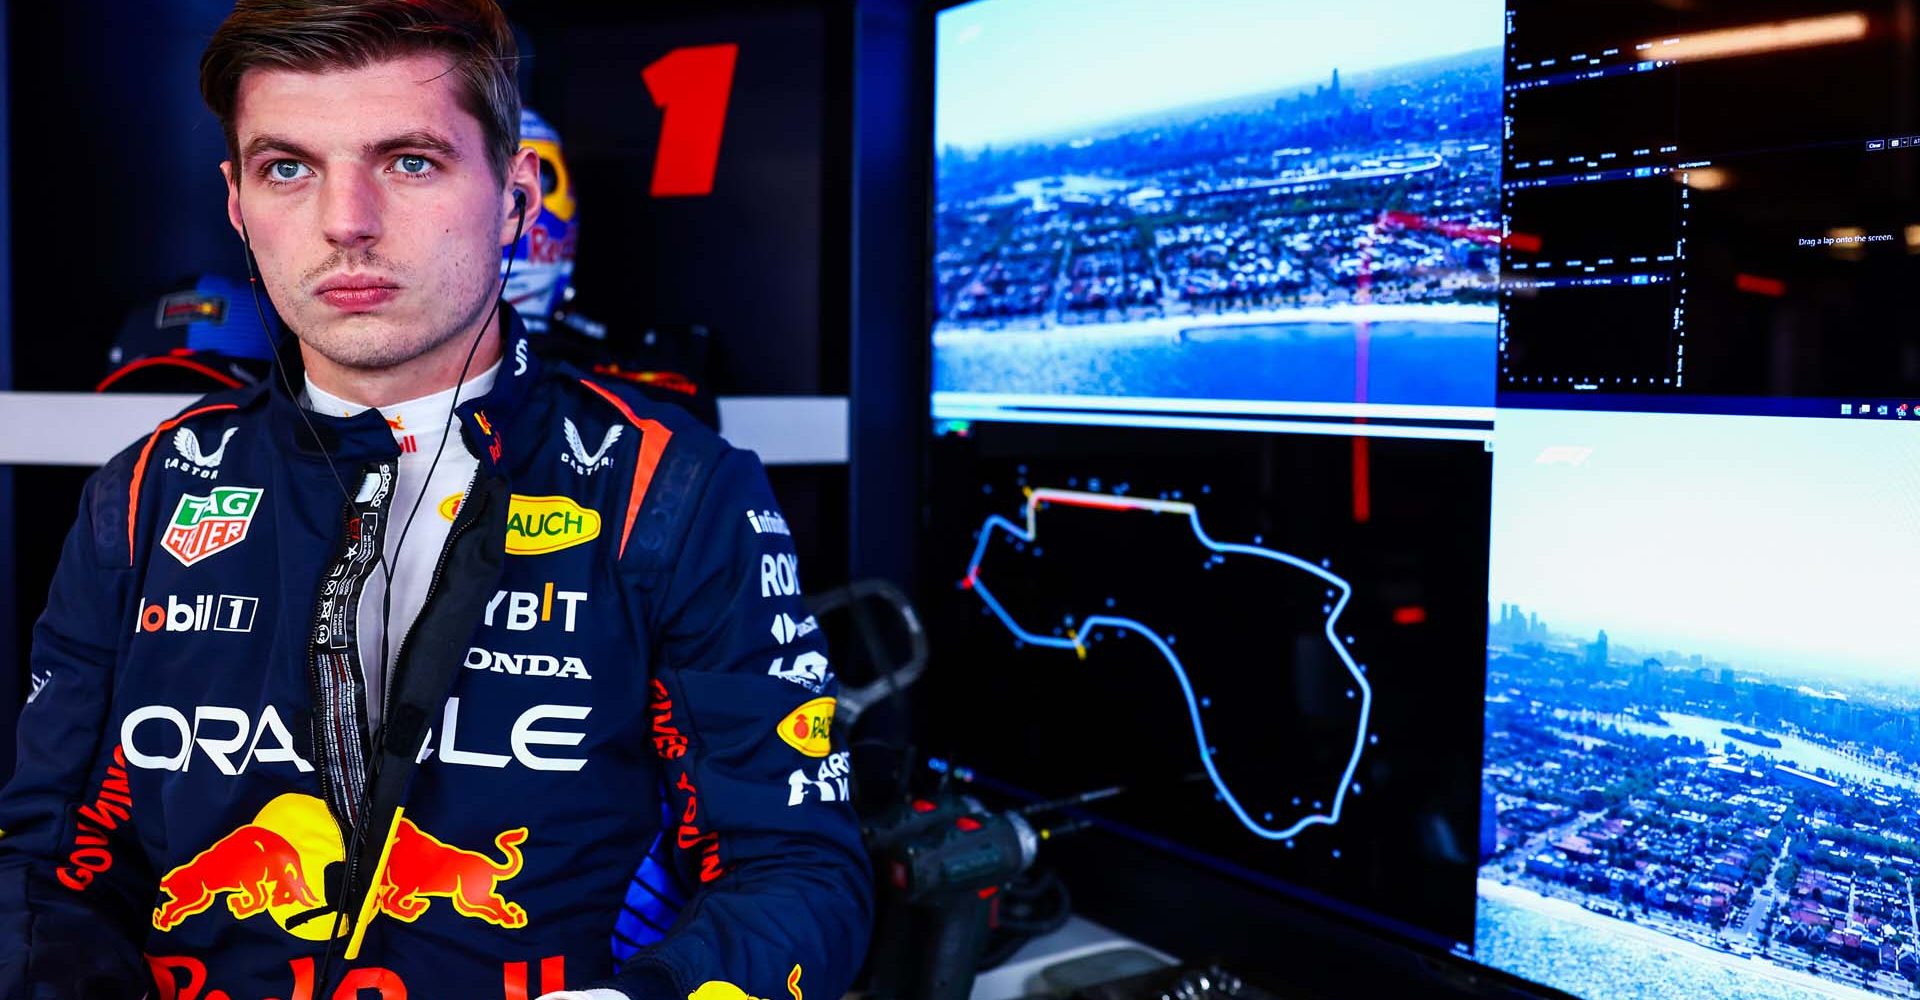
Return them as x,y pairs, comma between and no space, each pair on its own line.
1706,777
1326,229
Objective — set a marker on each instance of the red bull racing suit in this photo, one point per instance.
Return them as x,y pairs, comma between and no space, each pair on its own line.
613,667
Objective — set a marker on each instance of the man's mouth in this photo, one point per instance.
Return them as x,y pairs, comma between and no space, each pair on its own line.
357,292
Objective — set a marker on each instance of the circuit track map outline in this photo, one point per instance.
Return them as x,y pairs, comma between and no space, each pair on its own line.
1087,625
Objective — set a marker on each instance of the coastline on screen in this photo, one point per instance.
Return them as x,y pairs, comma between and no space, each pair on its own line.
1316,226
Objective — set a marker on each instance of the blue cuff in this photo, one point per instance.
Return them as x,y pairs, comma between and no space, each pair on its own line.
645,979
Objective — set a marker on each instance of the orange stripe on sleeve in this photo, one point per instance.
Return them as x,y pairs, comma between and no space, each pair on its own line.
653,443
146,452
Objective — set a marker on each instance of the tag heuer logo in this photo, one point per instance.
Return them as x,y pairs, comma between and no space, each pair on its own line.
204,525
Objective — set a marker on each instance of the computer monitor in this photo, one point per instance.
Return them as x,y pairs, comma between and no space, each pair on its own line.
1701,756
1467,492
1216,210
1214,345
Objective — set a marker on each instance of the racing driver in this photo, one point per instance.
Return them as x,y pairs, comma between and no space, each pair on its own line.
382,676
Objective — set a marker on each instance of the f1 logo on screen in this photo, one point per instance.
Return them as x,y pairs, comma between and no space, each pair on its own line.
691,86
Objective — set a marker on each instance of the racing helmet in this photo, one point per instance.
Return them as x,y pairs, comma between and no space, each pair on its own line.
543,258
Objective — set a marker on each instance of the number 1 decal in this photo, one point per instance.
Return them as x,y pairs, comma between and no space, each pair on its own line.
691,85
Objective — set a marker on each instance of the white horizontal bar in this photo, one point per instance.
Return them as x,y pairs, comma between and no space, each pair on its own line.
1254,424
788,430
84,428
943,401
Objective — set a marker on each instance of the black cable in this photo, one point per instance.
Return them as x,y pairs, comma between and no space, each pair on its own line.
357,834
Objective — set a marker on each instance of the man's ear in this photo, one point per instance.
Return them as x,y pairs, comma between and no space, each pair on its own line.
523,175
233,200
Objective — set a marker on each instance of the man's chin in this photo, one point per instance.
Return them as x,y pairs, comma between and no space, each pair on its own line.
365,342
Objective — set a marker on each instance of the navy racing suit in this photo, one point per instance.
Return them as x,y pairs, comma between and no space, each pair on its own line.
613,655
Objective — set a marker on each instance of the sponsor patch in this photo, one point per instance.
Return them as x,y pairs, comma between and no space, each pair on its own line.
418,867
810,670
525,738
828,784
112,805
198,613
527,664
779,575
191,459
450,507
668,741
785,629
276,866
538,525
768,522
219,732
523,610
578,458
809,728
204,525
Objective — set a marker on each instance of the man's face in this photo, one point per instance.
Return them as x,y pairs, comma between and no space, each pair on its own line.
375,218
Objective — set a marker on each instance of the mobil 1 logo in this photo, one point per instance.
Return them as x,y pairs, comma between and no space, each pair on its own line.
196,613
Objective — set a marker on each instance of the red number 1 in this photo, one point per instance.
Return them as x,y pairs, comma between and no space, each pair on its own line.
691,85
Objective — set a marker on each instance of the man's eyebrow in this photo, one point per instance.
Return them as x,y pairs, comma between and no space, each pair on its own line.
268,143
421,139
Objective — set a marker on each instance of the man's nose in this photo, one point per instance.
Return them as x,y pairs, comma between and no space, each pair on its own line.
350,210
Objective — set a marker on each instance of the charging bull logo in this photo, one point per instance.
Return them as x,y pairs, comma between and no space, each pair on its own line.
283,863
254,865
419,866
275,865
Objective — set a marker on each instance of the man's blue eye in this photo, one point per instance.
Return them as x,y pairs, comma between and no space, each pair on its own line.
286,170
414,165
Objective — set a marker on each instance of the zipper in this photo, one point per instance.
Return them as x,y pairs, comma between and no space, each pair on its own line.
316,692
461,522
345,806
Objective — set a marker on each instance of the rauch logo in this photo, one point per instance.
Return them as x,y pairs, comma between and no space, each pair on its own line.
538,525
809,728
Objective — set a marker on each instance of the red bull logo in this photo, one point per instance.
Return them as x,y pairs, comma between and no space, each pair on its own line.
252,866
419,867
282,863
274,865
516,979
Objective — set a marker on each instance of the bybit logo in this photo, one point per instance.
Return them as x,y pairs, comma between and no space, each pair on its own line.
521,611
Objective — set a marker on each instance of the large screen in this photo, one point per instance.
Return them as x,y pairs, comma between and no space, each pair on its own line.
1216,208
1447,460
1289,693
